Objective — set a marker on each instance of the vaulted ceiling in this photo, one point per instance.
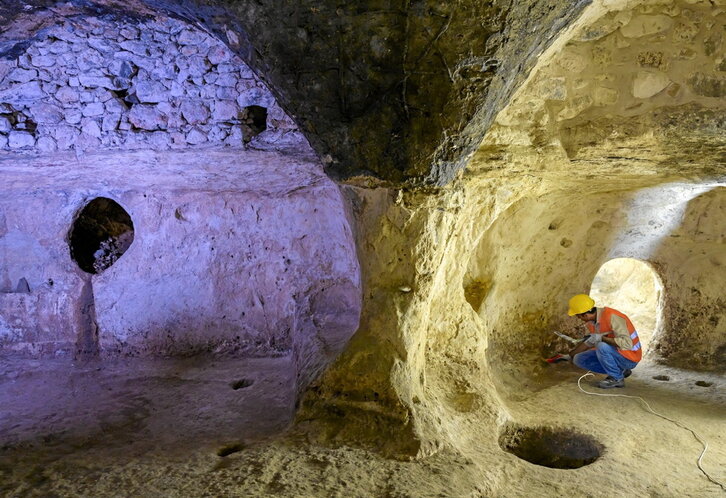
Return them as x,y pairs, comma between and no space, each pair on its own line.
401,90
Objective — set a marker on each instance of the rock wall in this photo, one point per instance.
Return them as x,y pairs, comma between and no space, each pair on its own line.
94,83
693,265
463,286
640,143
633,287
244,253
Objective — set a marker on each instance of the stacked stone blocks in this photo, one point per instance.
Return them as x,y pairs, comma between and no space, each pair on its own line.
162,84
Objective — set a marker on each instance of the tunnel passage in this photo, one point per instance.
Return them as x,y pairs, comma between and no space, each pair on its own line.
100,235
551,447
633,287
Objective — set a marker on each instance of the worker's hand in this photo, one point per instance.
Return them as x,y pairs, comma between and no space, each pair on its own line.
593,339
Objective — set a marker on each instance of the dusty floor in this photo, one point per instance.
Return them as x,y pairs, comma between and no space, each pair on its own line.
141,428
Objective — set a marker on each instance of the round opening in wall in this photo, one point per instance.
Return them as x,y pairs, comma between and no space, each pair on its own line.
254,120
101,233
633,287
551,447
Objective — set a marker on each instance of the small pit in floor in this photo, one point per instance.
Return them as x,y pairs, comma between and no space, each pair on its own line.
230,449
551,447
242,383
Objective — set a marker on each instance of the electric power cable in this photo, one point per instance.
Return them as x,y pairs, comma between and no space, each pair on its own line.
682,426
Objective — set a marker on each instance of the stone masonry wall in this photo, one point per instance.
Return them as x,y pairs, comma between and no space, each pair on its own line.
96,83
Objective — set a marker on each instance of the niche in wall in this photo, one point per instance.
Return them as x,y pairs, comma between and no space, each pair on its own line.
633,287
100,234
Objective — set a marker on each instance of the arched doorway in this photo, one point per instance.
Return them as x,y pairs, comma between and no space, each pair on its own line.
633,287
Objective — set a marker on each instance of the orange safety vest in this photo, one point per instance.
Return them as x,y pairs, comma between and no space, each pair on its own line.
604,326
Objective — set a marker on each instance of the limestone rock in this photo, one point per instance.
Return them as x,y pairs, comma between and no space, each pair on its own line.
122,69
115,105
86,142
46,114
604,26
22,75
196,137
110,122
129,32
24,92
226,80
43,61
685,32
20,139
148,91
198,66
135,47
90,81
73,116
146,117
93,109
59,47
5,125
116,71
88,60
603,96
6,66
648,83
190,37
226,93
575,107
159,140
100,45
46,144
707,85
194,112
255,96
65,136
225,111
553,89
90,127
644,25
218,55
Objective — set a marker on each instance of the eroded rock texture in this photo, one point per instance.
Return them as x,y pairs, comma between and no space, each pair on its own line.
403,91
589,133
582,167
232,253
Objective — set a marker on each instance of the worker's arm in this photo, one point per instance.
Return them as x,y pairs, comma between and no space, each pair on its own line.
622,338
579,349
583,346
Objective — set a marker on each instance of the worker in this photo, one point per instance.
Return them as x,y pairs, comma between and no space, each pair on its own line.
612,347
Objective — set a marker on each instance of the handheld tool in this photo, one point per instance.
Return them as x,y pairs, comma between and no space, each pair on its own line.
567,337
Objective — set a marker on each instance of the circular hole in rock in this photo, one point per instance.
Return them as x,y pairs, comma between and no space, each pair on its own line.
100,234
229,449
551,447
242,383
703,383
661,377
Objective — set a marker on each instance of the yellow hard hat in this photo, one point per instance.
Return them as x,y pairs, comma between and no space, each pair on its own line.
580,304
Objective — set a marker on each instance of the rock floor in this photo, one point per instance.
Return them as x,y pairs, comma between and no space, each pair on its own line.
180,428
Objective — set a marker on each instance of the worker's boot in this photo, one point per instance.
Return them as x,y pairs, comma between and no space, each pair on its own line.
610,382
626,373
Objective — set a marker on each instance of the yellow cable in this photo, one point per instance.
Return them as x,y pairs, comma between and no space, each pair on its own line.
700,440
